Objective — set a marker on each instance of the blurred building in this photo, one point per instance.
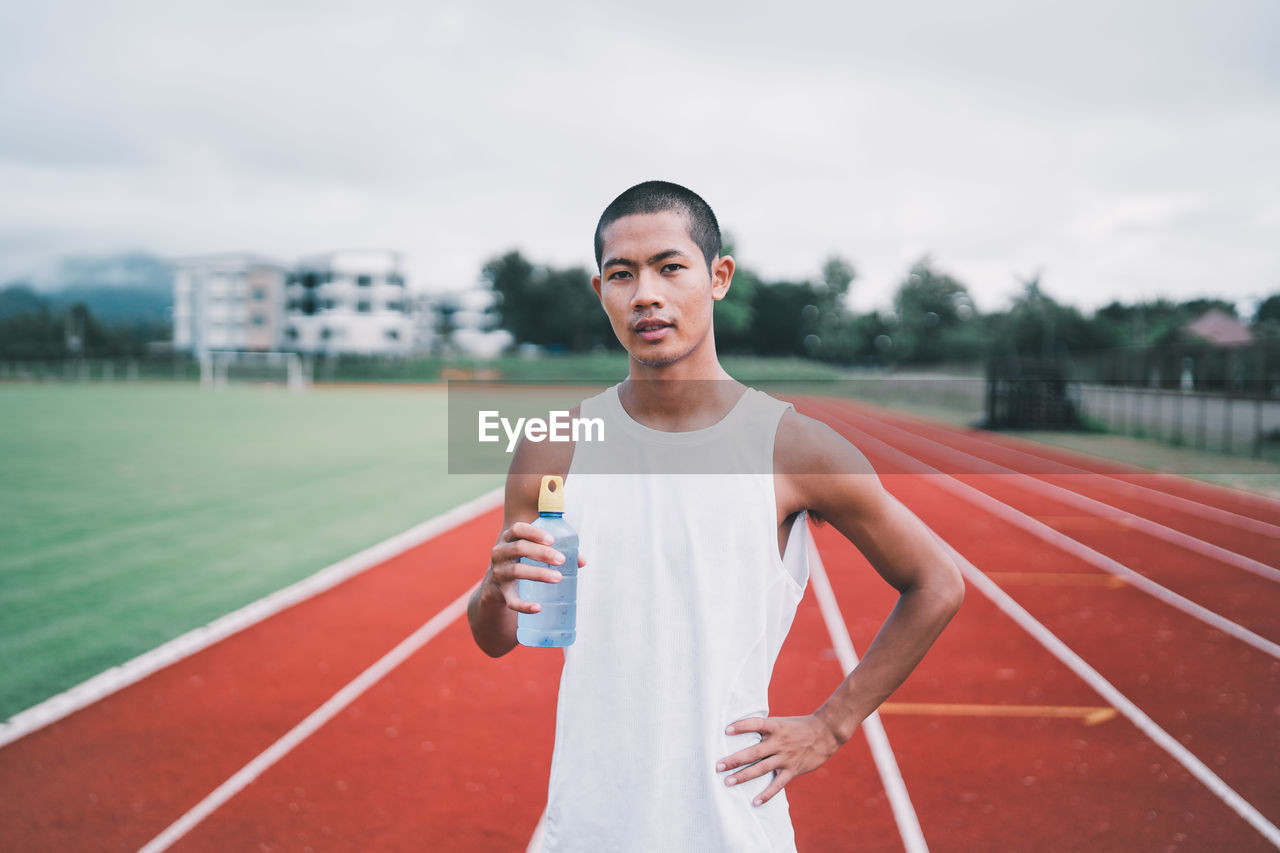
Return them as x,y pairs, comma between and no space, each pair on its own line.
337,303
1219,328
462,322
349,302
422,310
233,301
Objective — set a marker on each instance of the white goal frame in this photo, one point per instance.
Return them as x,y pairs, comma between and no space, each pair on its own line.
215,366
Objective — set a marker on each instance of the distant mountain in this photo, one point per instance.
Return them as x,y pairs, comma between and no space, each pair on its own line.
132,288
135,270
20,299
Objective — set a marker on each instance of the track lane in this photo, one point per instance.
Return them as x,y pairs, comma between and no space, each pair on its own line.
450,752
1247,537
1053,539
1253,505
1067,799
1219,698
966,813
986,782
1240,596
482,784
76,783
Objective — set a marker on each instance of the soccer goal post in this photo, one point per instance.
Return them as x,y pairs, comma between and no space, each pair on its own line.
218,368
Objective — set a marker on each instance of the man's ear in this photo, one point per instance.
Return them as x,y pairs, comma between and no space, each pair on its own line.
595,285
721,276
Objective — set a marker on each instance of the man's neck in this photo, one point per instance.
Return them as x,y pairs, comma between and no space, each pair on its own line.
679,397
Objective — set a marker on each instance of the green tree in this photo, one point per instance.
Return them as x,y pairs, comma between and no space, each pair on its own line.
734,316
1266,326
1037,326
555,308
18,298
71,333
1268,310
787,316
935,317
837,275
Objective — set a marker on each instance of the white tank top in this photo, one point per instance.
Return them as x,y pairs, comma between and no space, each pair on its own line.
682,608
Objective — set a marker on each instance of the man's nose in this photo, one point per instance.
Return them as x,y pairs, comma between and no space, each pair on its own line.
648,291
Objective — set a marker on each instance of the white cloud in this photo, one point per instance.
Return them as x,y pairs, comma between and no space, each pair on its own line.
1125,150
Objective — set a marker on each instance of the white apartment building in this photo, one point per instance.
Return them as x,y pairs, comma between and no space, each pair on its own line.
349,302
230,301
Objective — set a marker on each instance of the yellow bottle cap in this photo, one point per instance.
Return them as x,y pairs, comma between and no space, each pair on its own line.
551,495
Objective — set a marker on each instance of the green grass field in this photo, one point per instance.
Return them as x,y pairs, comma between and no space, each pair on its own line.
131,513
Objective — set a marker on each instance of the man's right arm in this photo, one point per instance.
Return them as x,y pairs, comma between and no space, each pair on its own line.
496,601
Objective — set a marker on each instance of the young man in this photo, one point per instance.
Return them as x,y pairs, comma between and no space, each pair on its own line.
689,581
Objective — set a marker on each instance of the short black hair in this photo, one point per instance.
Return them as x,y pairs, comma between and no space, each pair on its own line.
658,197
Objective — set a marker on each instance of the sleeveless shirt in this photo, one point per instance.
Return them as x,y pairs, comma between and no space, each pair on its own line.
682,608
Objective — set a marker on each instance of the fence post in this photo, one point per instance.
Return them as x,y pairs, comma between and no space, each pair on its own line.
1226,420
1177,419
1204,416
1257,427
1259,383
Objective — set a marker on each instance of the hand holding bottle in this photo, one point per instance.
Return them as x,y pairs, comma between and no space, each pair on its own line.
517,543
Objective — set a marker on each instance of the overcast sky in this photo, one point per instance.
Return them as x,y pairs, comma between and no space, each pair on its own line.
1126,150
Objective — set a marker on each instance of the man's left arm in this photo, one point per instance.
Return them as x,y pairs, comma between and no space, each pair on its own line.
820,471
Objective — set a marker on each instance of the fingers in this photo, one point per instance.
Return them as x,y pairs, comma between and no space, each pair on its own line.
788,747
755,770
762,758
519,605
519,543
753,753
524,530
748,724
746,756
525,540
511,552
780,780
507,574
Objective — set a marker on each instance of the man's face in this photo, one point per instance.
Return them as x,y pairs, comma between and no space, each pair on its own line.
655,286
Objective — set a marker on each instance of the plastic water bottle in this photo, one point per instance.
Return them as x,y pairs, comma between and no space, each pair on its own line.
555,624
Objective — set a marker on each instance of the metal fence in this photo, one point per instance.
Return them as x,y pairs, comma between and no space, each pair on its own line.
99,369
1222,399
1218,422
1249,371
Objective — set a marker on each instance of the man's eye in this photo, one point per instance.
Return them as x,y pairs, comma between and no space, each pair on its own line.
672,267
617,274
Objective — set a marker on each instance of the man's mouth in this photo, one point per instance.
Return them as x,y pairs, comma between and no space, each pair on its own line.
652,330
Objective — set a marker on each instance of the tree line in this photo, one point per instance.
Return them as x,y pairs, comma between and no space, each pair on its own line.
35,328
933,317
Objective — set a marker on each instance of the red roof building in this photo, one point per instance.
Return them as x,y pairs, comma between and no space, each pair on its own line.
1220,328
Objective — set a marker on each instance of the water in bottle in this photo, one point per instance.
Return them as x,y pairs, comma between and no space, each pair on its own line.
554,624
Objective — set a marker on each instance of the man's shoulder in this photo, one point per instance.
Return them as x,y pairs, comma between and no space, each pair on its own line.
806,445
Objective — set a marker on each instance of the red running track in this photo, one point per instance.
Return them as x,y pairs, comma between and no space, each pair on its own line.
451,750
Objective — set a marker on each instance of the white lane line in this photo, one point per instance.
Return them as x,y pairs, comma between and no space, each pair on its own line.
308,726
1114,483
108,682
1111,694
1078,549
1104,510
903,811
